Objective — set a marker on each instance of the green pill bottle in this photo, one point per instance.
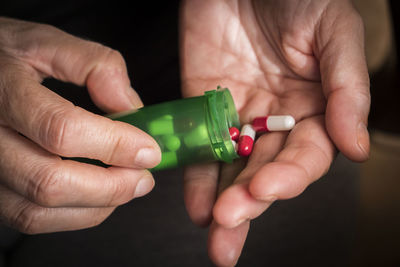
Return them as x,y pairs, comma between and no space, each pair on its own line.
189,130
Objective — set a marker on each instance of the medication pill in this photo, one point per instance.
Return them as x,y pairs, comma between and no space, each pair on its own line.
198,136
234,132
162,125
171,142
273,123
246,140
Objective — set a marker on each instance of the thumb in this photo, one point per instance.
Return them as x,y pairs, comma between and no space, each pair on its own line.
345,80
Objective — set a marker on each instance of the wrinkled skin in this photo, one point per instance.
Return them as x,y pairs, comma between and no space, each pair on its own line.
39,192
303,58
297,57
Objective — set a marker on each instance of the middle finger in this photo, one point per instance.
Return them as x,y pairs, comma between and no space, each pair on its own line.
47,180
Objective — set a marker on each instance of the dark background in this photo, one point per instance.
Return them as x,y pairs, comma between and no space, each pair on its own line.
317,228
385,109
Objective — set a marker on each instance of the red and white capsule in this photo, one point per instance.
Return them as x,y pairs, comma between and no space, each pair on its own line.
246,140
234,132
273,123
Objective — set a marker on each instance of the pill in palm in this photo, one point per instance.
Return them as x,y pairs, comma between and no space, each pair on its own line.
246,140
273,123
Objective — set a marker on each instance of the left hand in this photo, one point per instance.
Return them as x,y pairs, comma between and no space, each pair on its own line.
301,58
40,191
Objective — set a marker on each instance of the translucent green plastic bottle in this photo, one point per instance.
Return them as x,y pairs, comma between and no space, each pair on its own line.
189,130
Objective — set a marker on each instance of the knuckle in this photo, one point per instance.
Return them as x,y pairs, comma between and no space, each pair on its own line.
112,62
361,98
46,188
56,130
120,191
99,217
113,57
364,96
355,19
358,20
118,143
42,27
28,219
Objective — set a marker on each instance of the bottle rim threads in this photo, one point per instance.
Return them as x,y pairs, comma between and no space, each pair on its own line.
221,115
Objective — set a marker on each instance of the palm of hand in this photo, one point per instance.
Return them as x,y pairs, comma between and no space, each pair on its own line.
270,67
227,45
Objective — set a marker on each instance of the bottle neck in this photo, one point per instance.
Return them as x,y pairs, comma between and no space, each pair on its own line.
221,115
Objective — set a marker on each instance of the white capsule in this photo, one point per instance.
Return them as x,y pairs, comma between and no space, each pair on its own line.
273,123
280,123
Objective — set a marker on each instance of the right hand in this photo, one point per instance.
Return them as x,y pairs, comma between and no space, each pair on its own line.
40,192
303,58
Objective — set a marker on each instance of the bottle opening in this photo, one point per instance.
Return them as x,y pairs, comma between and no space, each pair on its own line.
222,115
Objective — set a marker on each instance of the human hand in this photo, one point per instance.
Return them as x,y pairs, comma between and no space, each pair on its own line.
40,192
301,58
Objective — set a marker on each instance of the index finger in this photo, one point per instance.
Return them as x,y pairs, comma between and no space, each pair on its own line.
66,130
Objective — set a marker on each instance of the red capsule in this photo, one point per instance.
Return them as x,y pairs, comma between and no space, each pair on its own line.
245,146
234,132
246,140
260,124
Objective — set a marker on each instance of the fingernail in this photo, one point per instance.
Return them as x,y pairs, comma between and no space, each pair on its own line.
134,98
144,186
268,198
363,139
240,221
147,157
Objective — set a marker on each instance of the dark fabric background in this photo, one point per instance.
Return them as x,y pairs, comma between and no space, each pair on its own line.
315,229
384,109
